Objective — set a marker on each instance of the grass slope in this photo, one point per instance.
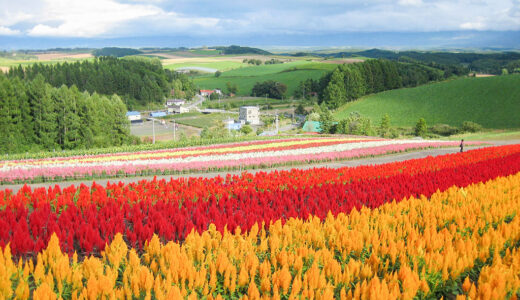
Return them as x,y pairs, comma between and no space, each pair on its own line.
493,102
288,73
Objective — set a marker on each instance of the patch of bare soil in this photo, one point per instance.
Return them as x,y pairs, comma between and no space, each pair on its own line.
166,55
484,75
60,55
4,69
343,61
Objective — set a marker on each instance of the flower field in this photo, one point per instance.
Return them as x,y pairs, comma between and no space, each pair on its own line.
218,157
444,226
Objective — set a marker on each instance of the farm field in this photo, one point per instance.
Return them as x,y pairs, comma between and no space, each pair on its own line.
204,120
44,58
291,74
444,226
492,102
242,155
236,102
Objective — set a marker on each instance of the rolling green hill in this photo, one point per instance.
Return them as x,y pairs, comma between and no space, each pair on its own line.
290,73
493,102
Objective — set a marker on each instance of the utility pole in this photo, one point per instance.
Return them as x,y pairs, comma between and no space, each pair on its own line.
153,129
174,130
277,127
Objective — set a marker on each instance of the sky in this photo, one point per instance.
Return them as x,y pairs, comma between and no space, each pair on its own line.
335,22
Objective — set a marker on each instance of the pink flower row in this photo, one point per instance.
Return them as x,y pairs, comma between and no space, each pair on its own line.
131,169
169,150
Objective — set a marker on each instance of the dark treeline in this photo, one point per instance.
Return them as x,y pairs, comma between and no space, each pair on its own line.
493,63
233,49
137,80
269,88
35,116
116,52
351,81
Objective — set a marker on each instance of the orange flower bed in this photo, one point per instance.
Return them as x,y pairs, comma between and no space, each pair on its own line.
460,242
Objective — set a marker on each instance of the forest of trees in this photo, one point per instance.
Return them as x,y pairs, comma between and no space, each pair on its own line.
351,81
269,88
493,62
137,80
35,116
233,49
116,52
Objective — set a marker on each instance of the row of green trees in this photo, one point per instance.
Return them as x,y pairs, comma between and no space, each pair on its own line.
35,116
351,81
138,80
269,88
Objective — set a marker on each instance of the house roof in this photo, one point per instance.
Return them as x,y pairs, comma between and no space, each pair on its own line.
207,91
133,113
158,114
312,126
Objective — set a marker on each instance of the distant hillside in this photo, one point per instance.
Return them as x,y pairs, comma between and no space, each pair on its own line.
290,74
116,52
493,102
492,62
233,49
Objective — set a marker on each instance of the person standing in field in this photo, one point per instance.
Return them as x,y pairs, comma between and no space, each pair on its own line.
462,145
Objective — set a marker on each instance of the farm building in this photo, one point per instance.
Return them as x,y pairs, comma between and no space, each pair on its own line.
312,126
231,125
171,102
249,114
177,109
134,116
158,114
207,93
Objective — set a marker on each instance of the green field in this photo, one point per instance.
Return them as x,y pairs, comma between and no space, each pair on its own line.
219,65
203,120
205,51
291,74
241,101
493,102
7,62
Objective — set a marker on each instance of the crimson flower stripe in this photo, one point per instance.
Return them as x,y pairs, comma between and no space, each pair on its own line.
85,219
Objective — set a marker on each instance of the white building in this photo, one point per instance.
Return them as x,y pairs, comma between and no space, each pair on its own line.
171,102
177,109
134,116
249,114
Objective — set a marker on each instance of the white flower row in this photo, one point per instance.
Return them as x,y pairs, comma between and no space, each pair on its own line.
230,156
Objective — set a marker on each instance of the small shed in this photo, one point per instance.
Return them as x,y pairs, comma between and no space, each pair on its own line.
172,102
158,114
312,126
134,116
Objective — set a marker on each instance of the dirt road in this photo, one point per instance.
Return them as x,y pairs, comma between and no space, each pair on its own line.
349,163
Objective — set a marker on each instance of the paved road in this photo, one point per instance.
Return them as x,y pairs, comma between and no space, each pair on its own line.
198,101
349,163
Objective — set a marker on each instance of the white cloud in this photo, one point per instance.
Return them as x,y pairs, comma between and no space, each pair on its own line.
8,31
89,18
124,18
473,25
410,2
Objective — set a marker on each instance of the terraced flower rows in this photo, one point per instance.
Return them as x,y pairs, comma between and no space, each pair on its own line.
219,157
428,228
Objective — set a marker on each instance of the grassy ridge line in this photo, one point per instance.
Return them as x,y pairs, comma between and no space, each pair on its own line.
291,74
493,102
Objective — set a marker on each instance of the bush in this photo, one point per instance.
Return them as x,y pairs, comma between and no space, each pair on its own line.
246,129
469,126
420,128
444,129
